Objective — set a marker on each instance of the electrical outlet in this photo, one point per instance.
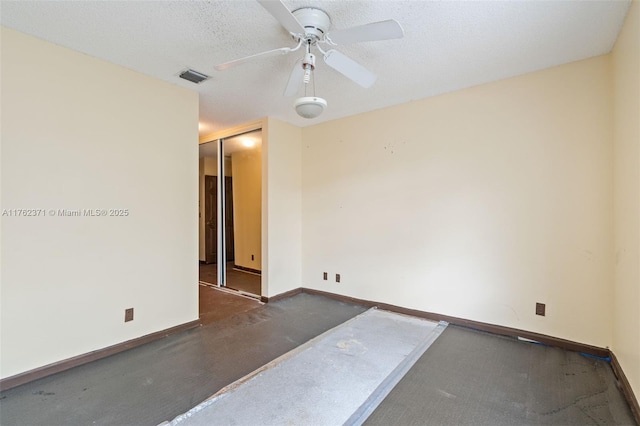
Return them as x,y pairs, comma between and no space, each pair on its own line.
540,309
128,315
325,276
337,278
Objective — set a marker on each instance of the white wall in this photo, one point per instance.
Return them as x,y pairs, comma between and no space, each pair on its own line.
475,204
281,192
626,318
77,133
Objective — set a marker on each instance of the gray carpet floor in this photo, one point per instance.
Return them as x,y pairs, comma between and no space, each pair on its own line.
158,381
328,381
466,377
469,377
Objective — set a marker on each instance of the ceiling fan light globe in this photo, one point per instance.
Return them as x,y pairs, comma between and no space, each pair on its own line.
310,106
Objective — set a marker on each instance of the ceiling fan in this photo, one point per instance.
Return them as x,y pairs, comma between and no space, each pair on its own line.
309,27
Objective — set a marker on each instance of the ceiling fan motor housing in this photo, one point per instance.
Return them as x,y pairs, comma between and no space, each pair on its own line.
315,22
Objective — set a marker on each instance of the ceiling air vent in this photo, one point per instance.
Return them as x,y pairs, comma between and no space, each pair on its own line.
193,76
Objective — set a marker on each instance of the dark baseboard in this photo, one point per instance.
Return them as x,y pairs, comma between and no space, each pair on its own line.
56,367
243,268
491,328
281,296
626,388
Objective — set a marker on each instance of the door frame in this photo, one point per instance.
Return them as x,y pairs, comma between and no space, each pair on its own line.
222,223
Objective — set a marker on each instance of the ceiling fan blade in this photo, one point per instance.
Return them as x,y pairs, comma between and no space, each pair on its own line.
350,68
295,79
384,30
283,15
274,52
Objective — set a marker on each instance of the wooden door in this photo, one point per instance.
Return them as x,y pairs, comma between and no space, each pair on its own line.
211,218
228,215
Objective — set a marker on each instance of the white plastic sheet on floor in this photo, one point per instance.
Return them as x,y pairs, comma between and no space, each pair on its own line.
337,378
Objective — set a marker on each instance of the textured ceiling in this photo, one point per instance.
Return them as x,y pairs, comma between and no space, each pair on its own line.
447,46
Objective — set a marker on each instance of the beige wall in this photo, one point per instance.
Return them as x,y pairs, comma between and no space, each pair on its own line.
626,308
282,269
89,134
476,204
210,165
247,207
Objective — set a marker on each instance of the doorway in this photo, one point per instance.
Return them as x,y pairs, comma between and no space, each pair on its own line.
231,237
211,218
